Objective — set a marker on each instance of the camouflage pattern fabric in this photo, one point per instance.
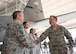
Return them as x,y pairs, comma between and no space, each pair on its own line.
14,40
57,43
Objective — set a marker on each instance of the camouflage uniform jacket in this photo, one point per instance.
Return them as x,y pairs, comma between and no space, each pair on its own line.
14,39
56,39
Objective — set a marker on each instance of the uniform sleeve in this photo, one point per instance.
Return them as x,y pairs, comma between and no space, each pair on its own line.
69,37
20,35
42,37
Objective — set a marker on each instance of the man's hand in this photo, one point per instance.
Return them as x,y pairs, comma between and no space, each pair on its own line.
71,50
33,45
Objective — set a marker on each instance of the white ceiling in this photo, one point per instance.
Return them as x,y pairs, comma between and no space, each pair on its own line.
70,24
51,7
58,7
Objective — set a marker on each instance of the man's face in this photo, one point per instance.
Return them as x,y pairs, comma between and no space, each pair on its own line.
26,25
20,16
52,20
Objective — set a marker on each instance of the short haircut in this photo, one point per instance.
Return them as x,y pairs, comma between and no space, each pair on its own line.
15,13
24,22
54,17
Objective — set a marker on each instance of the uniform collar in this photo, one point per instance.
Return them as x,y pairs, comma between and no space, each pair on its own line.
55,27
17,21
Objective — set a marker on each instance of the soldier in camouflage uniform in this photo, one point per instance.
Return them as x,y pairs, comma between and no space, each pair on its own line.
15,40
56,35
28,39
